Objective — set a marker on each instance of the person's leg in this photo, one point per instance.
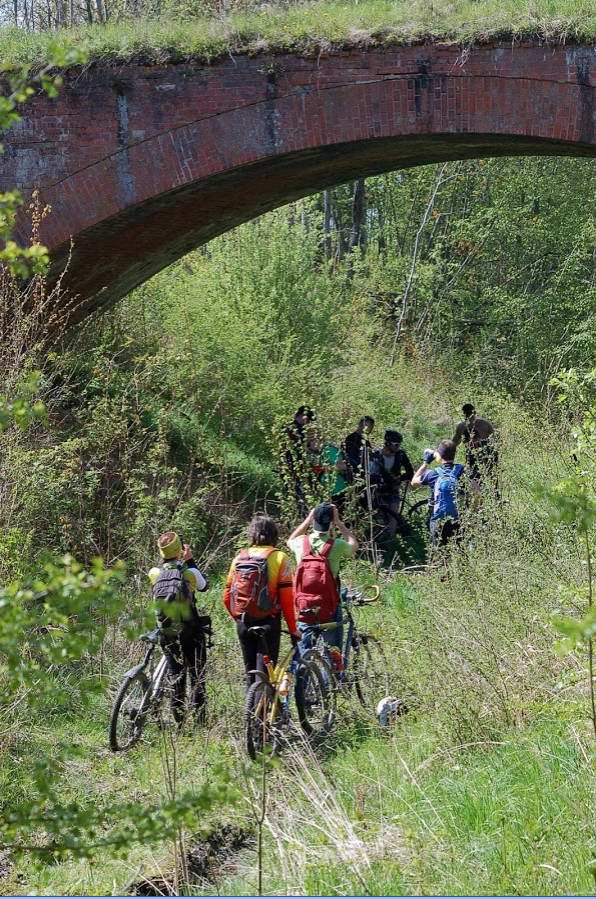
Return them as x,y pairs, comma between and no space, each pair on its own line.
194,647
391,505
177,671
249,647
274,637
335,637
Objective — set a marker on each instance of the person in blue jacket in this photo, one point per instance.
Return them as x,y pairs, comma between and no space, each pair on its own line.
444,485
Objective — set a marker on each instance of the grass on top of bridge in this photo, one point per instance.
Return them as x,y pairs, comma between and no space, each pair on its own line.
311,28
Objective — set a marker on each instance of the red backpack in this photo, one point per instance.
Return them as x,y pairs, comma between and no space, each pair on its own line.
249,590
315,590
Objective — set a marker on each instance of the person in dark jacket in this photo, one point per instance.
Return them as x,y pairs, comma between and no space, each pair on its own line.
293,455
357,444
390,467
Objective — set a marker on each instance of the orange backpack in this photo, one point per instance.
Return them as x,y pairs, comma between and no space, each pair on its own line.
249,590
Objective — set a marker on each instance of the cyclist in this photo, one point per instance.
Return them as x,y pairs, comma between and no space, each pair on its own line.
443,481
258,591
183,637
481,454
390,467
357,443
317,587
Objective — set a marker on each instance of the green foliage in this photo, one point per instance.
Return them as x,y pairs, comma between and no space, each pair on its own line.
52,621
574,501
22,408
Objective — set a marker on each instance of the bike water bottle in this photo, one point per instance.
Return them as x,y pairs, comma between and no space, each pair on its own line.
286,684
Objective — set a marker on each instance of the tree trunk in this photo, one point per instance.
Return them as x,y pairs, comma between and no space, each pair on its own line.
327,224
357,234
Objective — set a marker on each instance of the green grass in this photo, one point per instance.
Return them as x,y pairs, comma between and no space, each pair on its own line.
486,786
312,27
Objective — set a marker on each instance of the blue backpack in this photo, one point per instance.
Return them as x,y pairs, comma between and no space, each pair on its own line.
445,492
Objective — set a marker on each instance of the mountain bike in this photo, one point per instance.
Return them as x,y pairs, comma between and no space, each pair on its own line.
267,718
145,696
362,664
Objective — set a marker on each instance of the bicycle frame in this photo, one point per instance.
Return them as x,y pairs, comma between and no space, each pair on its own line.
157,676
274,675
347,619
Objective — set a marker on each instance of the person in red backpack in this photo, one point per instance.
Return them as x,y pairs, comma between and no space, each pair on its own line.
319,556
259,590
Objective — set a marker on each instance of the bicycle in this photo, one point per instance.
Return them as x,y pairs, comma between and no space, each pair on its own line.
144,695
367,674
267,708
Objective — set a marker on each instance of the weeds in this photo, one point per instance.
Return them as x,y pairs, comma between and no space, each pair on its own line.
309,28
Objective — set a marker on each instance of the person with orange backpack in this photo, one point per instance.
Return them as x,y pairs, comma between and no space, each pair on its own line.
317,589
259,591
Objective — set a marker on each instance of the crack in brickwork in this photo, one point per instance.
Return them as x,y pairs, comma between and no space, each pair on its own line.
143,164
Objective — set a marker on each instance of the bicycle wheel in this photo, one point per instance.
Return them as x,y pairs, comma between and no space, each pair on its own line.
258,730
371,677
315,695
418,513
129,712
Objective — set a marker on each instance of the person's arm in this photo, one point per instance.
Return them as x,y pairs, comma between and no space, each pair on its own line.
226,593
191,567
407,467
459,433
301,529
418,479
285,596
346,534
418,475
353,451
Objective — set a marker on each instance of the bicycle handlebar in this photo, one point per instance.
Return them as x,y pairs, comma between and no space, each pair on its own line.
359,598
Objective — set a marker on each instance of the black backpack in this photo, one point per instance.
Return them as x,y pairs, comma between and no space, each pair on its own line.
171,589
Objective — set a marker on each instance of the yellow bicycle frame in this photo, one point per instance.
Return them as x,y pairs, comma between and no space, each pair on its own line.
275,675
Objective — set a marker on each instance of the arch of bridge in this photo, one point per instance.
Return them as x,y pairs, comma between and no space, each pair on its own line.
142,163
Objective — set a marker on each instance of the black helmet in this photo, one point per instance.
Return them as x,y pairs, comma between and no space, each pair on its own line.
393,437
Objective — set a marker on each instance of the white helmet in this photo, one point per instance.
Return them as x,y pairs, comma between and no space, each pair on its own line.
388,710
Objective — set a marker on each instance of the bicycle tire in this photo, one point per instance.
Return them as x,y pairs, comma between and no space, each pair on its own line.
321,657
257,729
139,682
418,511
315,695
371,677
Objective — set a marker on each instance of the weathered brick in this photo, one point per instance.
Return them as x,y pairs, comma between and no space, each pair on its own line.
140,164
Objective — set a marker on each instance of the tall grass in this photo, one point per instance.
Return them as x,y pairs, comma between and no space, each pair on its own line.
312,27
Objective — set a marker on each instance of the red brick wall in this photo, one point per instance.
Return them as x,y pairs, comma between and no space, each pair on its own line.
140,164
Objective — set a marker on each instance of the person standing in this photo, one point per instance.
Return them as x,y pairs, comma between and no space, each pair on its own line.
479,435
319,555
183,631
390,467
259,591
357,444
444,485
294,461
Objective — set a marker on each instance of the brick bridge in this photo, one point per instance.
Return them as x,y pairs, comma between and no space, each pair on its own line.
142,163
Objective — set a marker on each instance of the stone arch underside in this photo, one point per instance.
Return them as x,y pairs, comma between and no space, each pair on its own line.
142,164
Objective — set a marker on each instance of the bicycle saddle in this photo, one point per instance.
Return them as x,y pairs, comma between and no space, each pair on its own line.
257,629
151,637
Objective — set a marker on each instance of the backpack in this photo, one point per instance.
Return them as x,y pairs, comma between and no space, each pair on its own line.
249,590
445,493
315,589
171,587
